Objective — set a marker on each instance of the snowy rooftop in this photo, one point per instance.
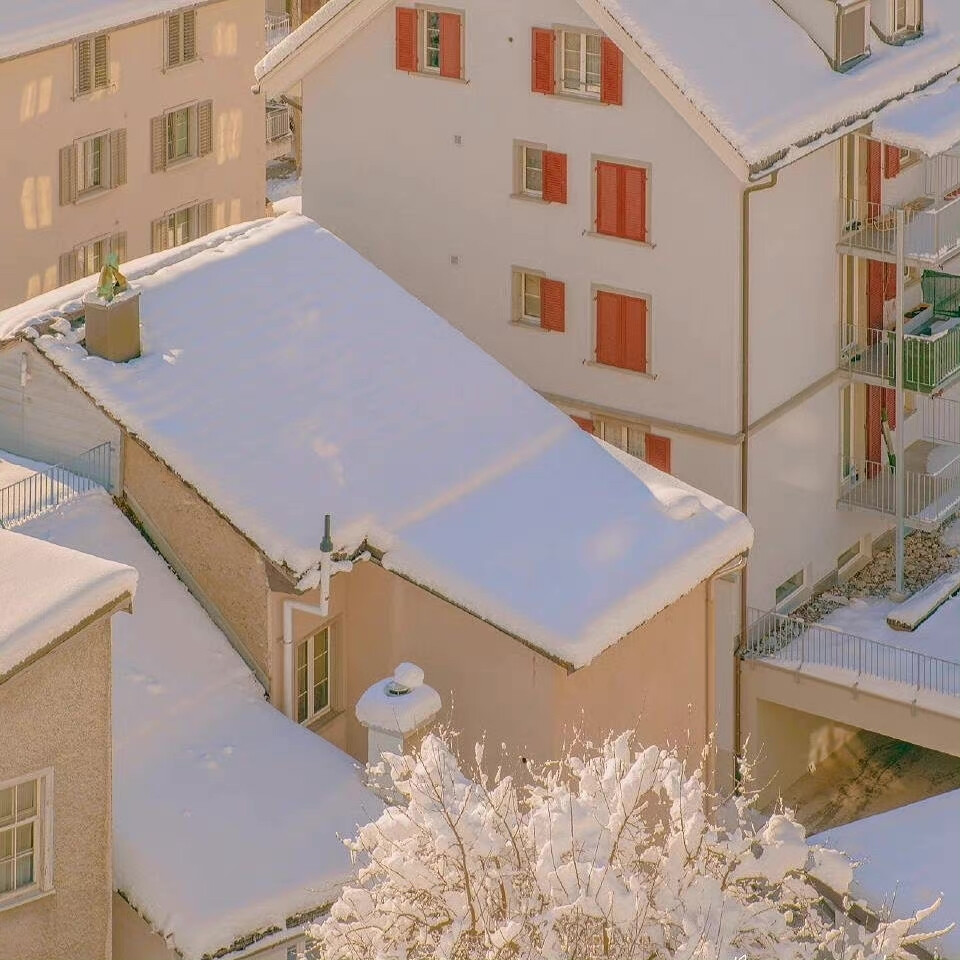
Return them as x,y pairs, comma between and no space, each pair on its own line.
927,121
196,746
285,377
25,27
909,858
751,71
45,591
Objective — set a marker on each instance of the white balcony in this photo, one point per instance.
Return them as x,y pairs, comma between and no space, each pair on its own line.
277,27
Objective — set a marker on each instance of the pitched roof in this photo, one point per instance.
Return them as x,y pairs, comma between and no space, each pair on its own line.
286,377
927,121
743,72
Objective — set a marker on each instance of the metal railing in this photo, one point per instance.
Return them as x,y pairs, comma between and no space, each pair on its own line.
47,489
929,360
941,175
785,639
277,26
278,123
932,228
940,419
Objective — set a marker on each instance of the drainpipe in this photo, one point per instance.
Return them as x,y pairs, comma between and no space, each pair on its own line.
744,430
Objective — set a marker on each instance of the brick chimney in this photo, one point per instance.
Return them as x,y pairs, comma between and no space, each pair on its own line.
113,328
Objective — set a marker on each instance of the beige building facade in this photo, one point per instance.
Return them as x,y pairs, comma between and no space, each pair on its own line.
133,139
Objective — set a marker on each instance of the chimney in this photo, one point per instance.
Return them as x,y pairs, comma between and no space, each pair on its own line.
841,28
397,713
112,316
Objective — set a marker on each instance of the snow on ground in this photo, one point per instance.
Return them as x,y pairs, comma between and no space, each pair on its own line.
280,188
288,205
276,359
928,121
909,857
226,814
13,469
43,23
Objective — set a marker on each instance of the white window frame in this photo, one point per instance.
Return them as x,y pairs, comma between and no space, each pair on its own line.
192,134
795,593
309,643
620,433
522,279
83,190
525,152
86,252
584,88
42,849
424,14
848,400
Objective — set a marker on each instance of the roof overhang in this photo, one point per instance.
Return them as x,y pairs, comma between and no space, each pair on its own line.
927,122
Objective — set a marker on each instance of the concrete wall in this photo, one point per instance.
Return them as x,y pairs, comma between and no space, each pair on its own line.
56,713
39,115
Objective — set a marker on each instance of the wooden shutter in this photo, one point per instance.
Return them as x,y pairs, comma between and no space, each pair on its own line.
608,328
544,61
552,304
633,331
158,235
407,39
608,202
101,62
118,245
173,40
874,177
84,66
611,72
554,177
633,203
118,158
158,144
68,175
657,450
450,45
891,162
204,128
69,267
584,423
204,218
189,35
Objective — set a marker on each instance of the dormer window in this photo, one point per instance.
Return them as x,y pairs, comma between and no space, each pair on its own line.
852,46
906,17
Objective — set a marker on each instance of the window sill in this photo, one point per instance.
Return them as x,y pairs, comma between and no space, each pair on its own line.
181,162
92,194
435,76
319,720
580,98
646,375
109,88
531,199
30,896
534,327
609,236
167,68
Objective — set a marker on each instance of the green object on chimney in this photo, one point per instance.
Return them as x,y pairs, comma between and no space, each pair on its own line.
112,281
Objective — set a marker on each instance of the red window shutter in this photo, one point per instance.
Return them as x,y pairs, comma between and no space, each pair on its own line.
608,328
873,175
584,423
657,451
875,278
891,162
554,177
634,203
608,198
450,65
611,72
553,297
544,61
633,321
407,39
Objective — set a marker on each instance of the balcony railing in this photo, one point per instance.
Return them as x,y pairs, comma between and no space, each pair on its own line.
278,123
790,640
931,233
277,27
38,492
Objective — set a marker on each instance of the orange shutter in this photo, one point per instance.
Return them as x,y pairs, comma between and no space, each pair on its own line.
891,162
552,304
633,319
554,177
611,72
657,451
608,328
608,202
407,39
450,65
544,60
634,203
873,177
584,423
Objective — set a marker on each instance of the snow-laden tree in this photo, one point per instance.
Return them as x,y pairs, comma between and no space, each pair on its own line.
616,851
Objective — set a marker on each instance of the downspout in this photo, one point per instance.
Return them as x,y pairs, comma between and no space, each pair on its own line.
744,437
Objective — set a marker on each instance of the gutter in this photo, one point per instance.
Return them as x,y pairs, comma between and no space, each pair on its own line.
744,435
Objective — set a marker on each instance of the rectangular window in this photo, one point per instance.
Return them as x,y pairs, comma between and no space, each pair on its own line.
93,163
181,38
531,168
581,63
621,331
846,431
791,587
539,301
91,61
530,305
178,135
848,556
852,35
429,41
313,676
22,816
626,436
181,134
621,200
182,225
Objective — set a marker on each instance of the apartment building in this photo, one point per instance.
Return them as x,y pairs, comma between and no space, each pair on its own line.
130,128
675,223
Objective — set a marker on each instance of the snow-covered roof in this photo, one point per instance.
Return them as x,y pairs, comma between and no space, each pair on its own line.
25,27
46,591
226,814
286,377
928,121
744,66
908,858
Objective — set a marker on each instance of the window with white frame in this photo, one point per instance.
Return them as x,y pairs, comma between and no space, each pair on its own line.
91,64
431,41
791,587
626,436
581,63
531,171
93,163
22,815
313,676
182,225
849,556
530,305
181,139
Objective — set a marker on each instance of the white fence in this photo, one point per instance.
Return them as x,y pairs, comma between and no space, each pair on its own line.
277,27
278,123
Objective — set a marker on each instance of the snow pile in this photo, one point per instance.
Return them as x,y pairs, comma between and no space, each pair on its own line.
293,41
285,377
44,23
291,204
400,703
927,121
909,614
45,591
908,859
226,814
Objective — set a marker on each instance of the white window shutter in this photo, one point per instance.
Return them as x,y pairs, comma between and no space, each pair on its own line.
118,158
101,62
204,128
158,144
158,235
173,40
189,35
68,174
69,270
84,64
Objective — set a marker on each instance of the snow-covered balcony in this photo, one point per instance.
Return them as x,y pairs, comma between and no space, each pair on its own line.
278,133
277,27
